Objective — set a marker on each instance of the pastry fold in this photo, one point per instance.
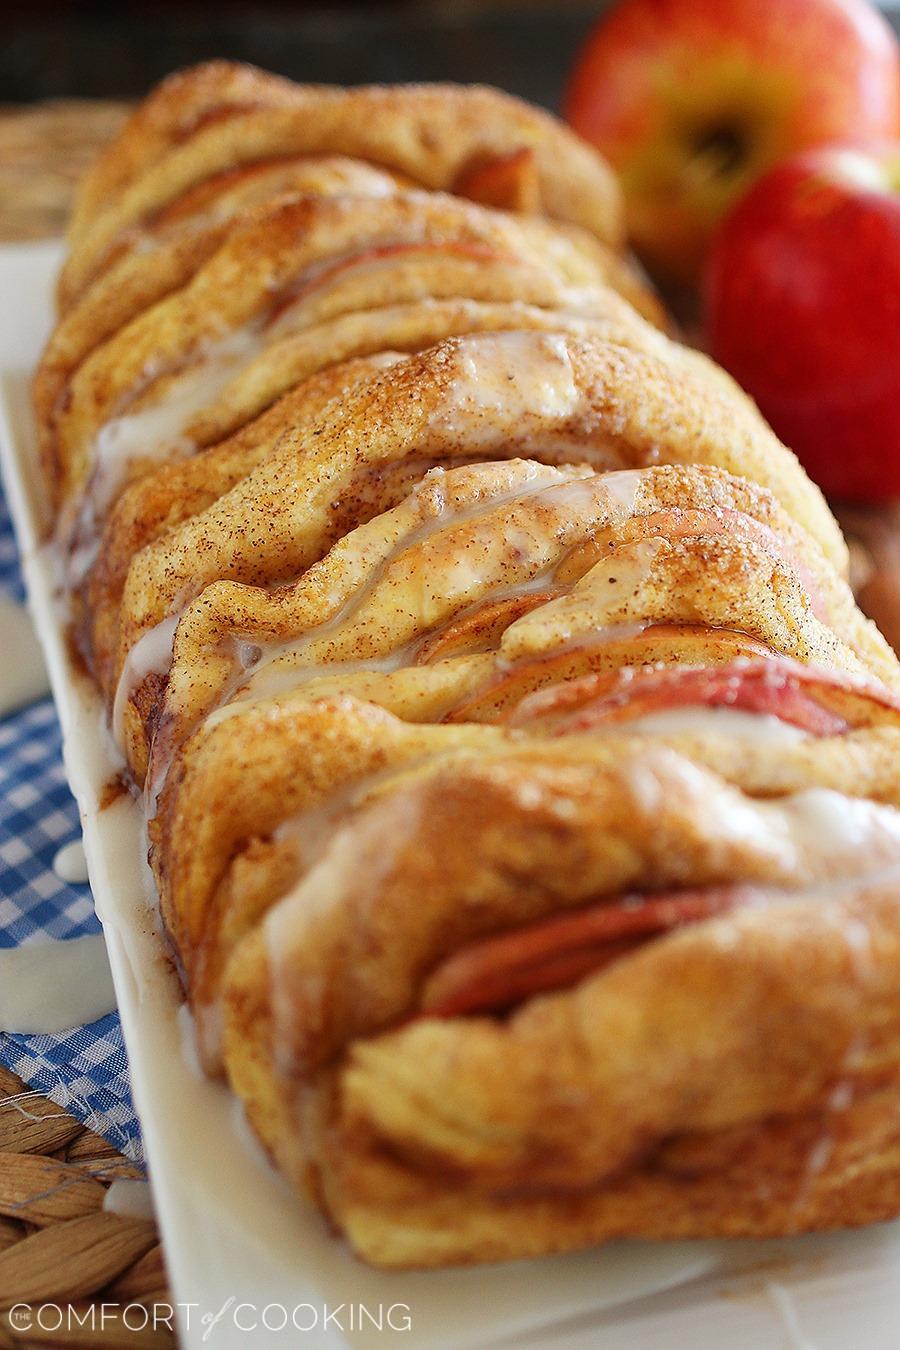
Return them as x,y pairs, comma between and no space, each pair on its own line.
554,397
278,776
763,979
140,278
516,559
312,365
180,105
278,269
436,136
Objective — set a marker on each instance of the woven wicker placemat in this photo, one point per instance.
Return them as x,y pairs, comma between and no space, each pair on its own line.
44,150
71,1272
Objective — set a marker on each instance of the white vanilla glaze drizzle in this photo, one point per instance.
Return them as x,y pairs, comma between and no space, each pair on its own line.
154,432
539,361
831,825
47,987
783,1302
160,428
737,723
282,666
541,480
590,606
818,832
528,376
150,655
832,873
70,864
323,887
286,666
278,668
621,487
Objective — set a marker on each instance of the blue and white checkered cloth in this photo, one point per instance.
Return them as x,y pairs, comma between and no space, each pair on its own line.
85,1071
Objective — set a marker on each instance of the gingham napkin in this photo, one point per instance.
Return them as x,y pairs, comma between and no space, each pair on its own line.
85,1071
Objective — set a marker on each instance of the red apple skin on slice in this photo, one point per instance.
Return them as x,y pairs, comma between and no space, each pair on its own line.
479,629
205,194
820,702
658,643
500,972
765,688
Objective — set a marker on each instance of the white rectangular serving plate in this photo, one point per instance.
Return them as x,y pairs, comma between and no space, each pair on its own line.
243,1252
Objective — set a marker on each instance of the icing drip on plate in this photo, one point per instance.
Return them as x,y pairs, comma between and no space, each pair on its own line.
70,864
48,987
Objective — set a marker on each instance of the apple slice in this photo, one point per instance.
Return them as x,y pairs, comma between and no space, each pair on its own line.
662,642
499,972
510,182
821,703
480,628
199,198
323,274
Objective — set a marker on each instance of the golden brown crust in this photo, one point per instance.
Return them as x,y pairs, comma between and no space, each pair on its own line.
158,501
267,275
404,591
607,405
626,409
430,133
139,278
540,829
310,763
816,1169
757,1014
175,109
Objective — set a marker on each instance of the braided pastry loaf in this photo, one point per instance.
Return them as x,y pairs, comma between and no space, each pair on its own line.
522,781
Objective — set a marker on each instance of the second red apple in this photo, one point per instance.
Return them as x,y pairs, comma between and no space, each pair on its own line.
803,307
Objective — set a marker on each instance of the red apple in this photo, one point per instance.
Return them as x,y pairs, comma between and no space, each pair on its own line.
498,972
691,100
803,307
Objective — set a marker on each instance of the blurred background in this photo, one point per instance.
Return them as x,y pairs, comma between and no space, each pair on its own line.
105,56
53,49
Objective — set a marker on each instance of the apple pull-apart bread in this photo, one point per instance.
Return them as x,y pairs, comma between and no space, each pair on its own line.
522,782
